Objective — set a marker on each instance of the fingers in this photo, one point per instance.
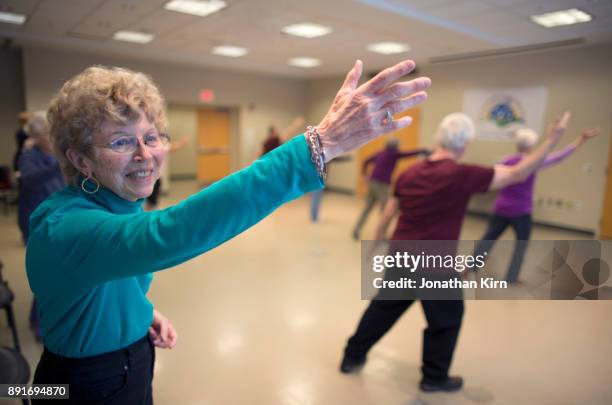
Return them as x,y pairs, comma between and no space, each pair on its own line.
400,90
352,77
591,132
387,76
172,336
380,120
396,125
155,339
404,104
163,330
153,333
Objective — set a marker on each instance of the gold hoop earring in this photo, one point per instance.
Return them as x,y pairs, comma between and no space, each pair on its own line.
92,179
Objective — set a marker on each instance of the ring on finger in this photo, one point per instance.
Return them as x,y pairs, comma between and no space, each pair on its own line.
388,117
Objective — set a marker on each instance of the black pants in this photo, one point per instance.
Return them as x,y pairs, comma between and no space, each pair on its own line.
120,377
439,338
522,228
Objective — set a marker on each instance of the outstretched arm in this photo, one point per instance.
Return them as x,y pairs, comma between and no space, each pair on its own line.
558,156
296,126
507,175
415,152
104,246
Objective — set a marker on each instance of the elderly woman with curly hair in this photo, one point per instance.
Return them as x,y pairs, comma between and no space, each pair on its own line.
92,248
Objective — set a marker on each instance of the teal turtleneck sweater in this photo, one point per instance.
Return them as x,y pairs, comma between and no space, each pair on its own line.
90,258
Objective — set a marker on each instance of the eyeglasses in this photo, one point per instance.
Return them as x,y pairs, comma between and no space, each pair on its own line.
129,144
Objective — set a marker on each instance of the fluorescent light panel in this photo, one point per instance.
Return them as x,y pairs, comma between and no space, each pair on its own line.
388,48
307,30
304,62
133,36
562,17
194,7
12,18
229,50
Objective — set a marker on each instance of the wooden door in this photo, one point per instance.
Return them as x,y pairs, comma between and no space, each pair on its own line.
409,138
606,217
213,144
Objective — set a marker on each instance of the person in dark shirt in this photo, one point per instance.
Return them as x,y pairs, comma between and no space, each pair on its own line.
40,176
380,179
431,198
276,138
20,137
40,173
273,140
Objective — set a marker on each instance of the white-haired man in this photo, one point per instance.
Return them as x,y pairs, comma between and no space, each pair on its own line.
431,198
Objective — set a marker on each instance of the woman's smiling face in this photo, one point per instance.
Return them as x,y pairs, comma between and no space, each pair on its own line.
130,175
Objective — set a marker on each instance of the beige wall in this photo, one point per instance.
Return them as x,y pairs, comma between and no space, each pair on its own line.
259,99
183,123
577,79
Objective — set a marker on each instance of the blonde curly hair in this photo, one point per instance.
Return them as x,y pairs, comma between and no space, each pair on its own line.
96,96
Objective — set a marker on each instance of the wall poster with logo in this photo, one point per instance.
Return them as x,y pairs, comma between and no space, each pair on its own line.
498,112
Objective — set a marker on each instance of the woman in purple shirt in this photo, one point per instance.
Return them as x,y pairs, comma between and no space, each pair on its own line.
380,179
514,203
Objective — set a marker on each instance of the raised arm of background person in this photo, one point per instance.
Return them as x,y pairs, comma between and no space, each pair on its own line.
296,126
559,156
415,152
507,175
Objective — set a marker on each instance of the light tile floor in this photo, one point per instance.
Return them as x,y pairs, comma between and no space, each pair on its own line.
263,320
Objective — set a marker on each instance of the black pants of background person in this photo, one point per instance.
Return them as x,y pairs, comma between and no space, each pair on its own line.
120,377
522,229
439,338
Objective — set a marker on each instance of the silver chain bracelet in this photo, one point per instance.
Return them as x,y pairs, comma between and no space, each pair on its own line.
316,151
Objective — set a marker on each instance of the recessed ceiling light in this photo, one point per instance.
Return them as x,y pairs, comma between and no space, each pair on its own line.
201,8
562,17
388,48
12,18
304,62
307,30
133,36
228,50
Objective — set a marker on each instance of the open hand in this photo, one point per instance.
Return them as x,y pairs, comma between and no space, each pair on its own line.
162,332
588,134
360,114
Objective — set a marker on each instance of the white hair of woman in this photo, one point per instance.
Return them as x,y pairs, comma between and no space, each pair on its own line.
526,139
38,125
455,132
